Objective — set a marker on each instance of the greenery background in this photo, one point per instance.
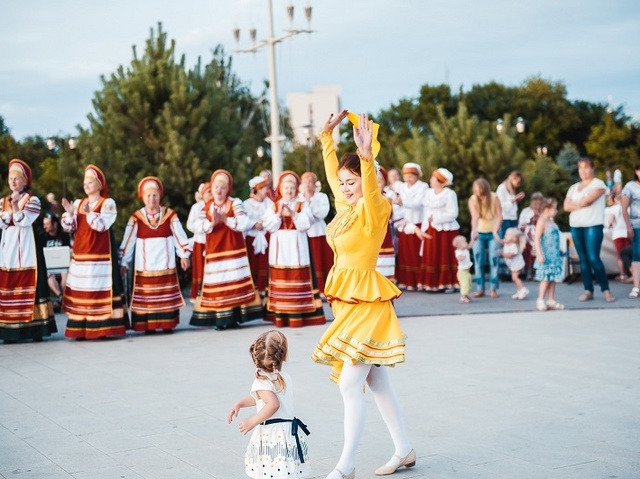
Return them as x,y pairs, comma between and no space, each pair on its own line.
157,116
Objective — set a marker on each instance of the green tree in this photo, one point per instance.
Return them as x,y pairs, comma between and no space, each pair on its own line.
568,159
157,117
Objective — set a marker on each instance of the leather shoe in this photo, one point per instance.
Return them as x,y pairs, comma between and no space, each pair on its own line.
408,461
344,476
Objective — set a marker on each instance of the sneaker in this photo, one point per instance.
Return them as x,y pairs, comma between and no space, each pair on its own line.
515,295
523,293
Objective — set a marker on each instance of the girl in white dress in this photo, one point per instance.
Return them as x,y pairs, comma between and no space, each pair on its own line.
277,448
513,245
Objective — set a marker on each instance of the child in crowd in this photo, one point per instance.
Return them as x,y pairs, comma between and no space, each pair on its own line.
549,257
276,445
464,267
512,246
615,221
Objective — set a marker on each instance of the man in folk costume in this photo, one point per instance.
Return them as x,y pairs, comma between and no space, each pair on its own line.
411,194
155,235
228,294
256,236
93,297
25,309
291,300
202,196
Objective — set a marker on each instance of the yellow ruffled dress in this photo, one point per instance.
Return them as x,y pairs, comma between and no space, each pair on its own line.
365,327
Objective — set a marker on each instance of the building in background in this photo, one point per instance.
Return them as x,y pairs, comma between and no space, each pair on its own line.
309,111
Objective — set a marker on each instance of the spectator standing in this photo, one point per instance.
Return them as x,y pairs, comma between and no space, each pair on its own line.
548,256
54,237
527,224
94,297
256,236
614,221
509,197
318,204
486,218
585,203
202,197
25,309
411,194
440,222
155,236
630,203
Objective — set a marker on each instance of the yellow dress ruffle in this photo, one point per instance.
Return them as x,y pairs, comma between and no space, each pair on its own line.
365,327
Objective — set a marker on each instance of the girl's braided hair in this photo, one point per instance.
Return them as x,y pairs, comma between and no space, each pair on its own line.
269,352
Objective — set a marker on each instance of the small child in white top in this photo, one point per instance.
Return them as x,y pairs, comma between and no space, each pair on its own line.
464,266
512,246
276,444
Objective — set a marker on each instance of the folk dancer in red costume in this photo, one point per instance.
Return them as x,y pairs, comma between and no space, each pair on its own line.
386,264
202,196
154,234
228,297
25,309
318,203
93,297
256,236
410,197
291,300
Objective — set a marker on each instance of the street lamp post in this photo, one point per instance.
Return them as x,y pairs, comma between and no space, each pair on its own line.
275,137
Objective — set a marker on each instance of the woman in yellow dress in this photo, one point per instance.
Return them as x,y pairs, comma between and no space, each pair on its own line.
365,333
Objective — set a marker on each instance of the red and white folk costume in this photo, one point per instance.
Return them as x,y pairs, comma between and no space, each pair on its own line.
257,238
25,309
386,264
411,192
318,204
228,294
439,221
155,239
93,298
203,195
291,300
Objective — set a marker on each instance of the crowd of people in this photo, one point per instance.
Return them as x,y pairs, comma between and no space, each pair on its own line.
268,256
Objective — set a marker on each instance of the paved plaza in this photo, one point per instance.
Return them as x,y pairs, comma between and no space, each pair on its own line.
492,389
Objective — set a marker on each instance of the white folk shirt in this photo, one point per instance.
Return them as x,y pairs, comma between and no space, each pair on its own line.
443,209
412,204
255,210
18,249
319,209
195,213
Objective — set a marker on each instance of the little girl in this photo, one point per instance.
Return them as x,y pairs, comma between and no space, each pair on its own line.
464,266
276,449
549,257
513,244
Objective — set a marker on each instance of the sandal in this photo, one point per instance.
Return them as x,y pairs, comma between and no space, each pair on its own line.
586,296
635,292
541,305
465,299
555,305
478,294
608,297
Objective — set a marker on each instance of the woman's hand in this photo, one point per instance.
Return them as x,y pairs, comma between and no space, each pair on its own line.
67,205
363,135
334,120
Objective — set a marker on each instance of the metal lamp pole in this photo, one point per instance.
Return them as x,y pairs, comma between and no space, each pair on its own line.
275,139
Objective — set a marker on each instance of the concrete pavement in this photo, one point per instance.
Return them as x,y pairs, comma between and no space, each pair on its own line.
492,389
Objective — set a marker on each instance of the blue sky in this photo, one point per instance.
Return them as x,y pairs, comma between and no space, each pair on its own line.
52,53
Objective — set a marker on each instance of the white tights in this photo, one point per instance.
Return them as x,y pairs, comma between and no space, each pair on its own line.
352,381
